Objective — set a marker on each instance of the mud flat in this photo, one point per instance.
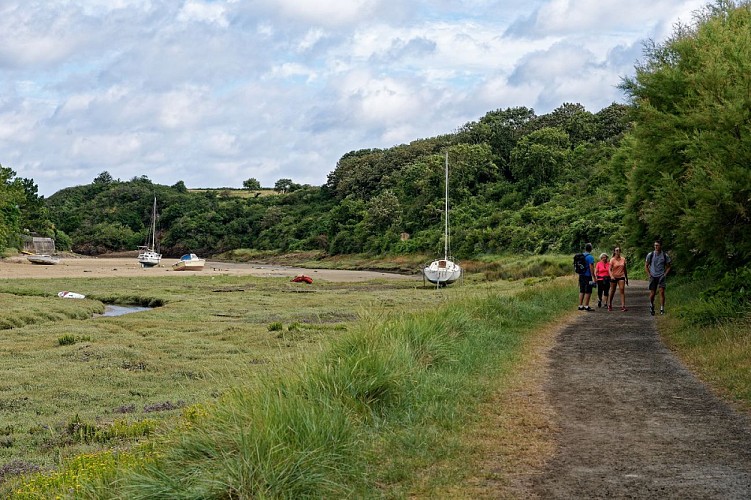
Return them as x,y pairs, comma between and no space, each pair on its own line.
107,267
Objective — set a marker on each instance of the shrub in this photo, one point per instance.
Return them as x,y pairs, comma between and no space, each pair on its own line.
729,299
66,339
276,326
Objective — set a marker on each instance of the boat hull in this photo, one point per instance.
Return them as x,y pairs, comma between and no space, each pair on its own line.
189,263
149,258
188,266
442,272
44,260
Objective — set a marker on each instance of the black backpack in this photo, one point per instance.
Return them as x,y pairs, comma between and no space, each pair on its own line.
580,263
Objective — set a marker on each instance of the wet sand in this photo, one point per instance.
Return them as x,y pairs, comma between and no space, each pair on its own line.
107,267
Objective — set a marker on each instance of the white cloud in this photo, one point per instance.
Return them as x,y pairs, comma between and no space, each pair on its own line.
311,38
579,17
105,149
213,92
182,108
194,10
292,70
222,143
327,12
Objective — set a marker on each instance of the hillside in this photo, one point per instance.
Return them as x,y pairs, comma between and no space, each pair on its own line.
515,180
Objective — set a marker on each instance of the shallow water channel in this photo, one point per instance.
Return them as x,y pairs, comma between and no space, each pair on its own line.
117,310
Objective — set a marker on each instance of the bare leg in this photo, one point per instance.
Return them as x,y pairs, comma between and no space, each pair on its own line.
613,285
622,290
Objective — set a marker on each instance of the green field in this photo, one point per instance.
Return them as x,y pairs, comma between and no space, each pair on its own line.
259,387
58,364
75,386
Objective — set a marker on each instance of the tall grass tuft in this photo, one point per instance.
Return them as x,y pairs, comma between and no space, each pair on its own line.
272,443
366,374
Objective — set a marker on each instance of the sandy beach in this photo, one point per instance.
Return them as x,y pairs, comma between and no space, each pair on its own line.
105,267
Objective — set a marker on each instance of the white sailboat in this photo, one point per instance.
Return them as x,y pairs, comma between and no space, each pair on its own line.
147,254
444,271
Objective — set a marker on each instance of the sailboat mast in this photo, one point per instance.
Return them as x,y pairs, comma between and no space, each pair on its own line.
153,227
446,227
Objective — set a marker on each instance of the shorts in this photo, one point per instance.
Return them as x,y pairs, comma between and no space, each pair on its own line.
656,282
584,284
616,280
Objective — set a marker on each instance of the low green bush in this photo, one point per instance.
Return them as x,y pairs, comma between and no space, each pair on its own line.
729,298
66,339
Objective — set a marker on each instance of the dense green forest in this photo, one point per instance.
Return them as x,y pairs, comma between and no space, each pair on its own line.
518,183
673,163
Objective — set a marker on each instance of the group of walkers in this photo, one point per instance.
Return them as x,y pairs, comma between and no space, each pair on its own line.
610,274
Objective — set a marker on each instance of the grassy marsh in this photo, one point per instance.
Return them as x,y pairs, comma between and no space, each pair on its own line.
210,338
249,387
208,333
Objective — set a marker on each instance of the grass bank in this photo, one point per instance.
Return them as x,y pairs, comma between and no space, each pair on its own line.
380,412
708,326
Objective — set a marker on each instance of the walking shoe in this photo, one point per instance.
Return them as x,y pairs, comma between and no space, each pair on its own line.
624,309
652,309
599,303
588,309
662,311
610,308
581,308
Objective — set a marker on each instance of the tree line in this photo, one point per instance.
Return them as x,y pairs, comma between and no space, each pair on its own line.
516,180
673,163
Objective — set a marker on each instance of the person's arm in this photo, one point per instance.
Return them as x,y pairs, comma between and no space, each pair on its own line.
592,274
646,266
625,271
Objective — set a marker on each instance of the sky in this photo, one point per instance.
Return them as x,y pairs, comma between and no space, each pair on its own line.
215,92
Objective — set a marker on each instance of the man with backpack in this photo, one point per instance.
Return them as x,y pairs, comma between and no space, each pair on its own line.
584,266
657,266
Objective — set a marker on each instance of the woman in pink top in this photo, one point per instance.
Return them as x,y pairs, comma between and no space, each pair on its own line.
618,278
602,273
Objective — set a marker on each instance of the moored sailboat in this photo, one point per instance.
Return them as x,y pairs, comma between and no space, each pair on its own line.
444,271
147,254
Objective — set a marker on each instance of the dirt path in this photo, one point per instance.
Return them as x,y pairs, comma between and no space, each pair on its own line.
634,423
